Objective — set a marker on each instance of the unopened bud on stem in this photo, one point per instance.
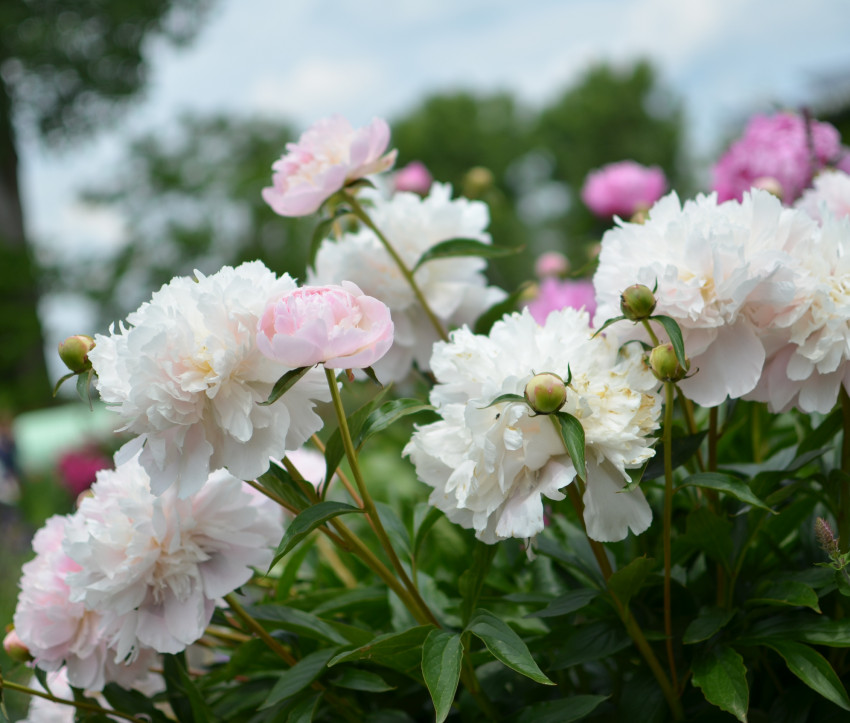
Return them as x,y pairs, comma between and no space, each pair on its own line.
546,393
15,647
664,364
74,351
637,302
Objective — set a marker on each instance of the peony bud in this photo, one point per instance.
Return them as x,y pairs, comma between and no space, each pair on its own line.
546,393
415,178
637,302
769,184
551,263
664,364
74,351
15,647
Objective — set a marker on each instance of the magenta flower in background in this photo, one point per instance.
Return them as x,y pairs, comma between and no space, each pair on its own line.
78,468
622,189
555,294
327,156
338,326
777,147
415,178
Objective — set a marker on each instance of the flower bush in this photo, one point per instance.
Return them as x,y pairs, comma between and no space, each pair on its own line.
535,518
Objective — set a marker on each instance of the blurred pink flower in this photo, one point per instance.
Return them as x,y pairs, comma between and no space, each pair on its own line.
621,189
830,191
555,294
338,326
326,157
415,178
78,468
778,147
551,263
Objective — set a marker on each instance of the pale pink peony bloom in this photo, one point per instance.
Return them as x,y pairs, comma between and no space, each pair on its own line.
551,263
622,189
337,326
830,192
327,156
153,567
555,294
779,147
414,178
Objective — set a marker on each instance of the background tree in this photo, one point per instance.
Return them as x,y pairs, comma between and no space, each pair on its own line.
65,68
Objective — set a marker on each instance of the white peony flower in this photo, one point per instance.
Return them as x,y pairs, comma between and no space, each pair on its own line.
830,193
455,288
153,567
187,377
724,273
812,358
490,466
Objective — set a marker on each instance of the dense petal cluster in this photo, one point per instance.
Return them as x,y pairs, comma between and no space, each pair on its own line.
187,376
830,193
328,155
491,466
784,148
725,272
623,188
455,288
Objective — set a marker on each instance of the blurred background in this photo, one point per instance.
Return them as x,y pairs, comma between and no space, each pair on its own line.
135,136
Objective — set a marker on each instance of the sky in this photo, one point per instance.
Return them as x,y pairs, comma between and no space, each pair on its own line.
305,59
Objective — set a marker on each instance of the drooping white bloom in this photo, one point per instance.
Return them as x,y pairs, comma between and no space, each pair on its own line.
153,566
187,377
490,466
812,357
58,630
831,192
455,288
724,272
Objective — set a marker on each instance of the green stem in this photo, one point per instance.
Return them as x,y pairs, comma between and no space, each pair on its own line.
713,437
844,493
648,327
668,528
80,705
259,630
358,211
369,504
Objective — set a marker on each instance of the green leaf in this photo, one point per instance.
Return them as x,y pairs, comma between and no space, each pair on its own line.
505,398
400,651
608,323
425,517
304,710
387,415
356,679
497,311
573,435
561,711
296,621
566,604
284,384
442,654
728,484
465,247
626,582
814,630
671,326
707,623
506,645
84,387
395,528
185,698
721,675
813,669
590,642
307,521
369,372
278,481
709,533
299,676
683,449
787,592
132,701
321,232
471,581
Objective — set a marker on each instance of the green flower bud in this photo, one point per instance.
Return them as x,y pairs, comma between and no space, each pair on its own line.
664,364
74,351
15,647
637,302
546,393
477,182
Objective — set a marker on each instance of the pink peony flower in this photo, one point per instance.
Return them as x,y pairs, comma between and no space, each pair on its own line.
415,178
326,157
338,326
78,468
555,294
622,189
551,263
778,147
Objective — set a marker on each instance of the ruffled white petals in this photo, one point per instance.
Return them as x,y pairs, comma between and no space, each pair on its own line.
610,513
186,375
491,466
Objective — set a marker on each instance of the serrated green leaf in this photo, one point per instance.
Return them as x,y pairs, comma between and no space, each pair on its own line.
626,582
566,604
707,623
786,592
307,521
442,655
356,679
505,645
507,305
299,676
813,669
465,247
721,675
671,326
400,651
388,414
572,433
727,484
561,711
284,384
296,621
